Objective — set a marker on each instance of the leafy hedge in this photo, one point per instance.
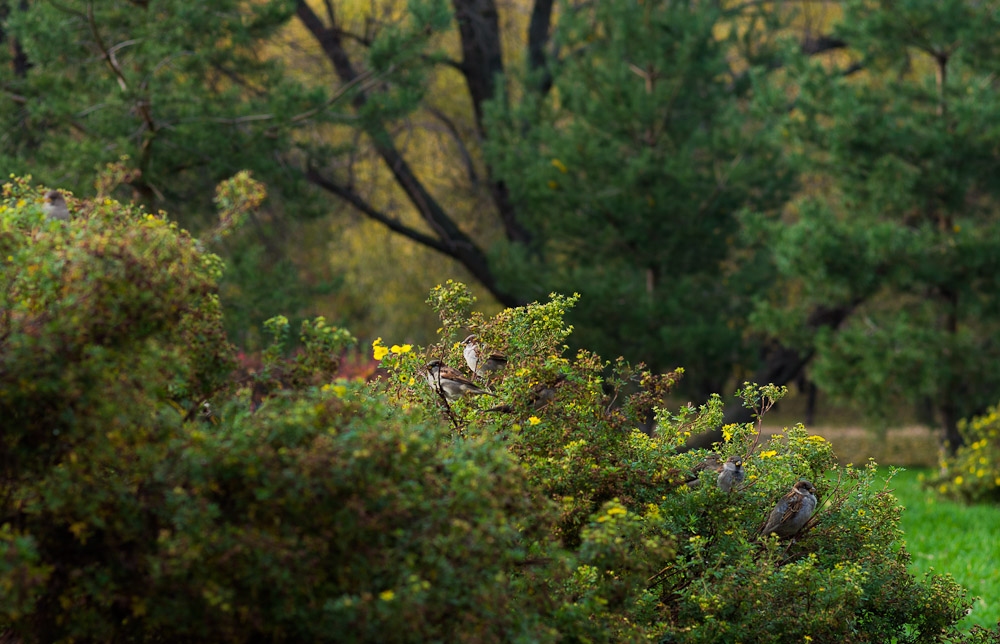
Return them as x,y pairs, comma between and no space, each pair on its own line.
338,511
973,473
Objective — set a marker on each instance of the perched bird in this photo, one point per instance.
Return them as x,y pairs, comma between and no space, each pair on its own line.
55,206
538,398
792,511
451,382
732,474
711,463
477,364
545,392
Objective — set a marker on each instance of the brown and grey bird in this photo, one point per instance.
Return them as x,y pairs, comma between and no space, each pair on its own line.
540,395
792,511
478,363
732,474
545,392
451,382
711,463
55,206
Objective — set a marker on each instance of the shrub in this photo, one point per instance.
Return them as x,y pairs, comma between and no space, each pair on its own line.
344,512
973,473
697,570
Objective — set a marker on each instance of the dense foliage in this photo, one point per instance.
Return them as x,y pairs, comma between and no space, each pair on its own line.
901,232
131,511
973,472
630,172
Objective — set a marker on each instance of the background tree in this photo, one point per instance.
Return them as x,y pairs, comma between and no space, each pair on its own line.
384,108
904,232
629,164
387,109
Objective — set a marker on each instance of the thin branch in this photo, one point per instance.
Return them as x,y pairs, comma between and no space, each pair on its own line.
17,98
361,79
353,198
470,166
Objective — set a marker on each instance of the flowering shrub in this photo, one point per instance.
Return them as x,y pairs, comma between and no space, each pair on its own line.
973,473
129,516
329,510
650,557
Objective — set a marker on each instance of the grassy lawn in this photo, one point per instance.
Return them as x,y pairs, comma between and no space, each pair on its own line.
949,537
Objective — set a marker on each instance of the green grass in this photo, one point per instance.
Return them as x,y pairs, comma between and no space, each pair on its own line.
948,537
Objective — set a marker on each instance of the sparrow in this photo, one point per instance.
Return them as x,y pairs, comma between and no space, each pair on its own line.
55,206
494,362
711,463
538,398
545,392
450,381
792,511
731,474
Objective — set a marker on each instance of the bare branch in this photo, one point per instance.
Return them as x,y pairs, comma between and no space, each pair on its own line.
356,200
470,166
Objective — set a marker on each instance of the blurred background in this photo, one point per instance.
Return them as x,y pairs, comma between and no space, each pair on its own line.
798,192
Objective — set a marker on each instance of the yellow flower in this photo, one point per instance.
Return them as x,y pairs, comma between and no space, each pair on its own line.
386,595
958,480
553,185
534,420
728,431
768,454
818,439
401,349
616,510
559,165
379,351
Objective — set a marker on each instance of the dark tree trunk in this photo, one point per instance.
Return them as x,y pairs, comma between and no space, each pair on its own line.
447,237
781,365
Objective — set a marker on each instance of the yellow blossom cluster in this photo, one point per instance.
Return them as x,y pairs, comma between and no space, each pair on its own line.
611,513
380,351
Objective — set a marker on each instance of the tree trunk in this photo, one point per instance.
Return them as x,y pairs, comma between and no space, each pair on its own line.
781,366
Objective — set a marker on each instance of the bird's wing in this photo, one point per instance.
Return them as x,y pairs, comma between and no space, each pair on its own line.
454,374
781,512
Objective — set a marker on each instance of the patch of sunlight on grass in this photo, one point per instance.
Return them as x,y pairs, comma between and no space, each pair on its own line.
948,537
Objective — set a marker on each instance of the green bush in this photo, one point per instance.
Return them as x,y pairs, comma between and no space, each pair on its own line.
710,577
129,517
973,473
339,511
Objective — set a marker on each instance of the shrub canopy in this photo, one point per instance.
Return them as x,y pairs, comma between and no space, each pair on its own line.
143,498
